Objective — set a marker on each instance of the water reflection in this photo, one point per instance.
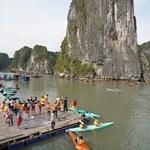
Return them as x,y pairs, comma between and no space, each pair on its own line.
129,109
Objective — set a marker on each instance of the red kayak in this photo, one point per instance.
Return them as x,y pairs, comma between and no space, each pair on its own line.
78,146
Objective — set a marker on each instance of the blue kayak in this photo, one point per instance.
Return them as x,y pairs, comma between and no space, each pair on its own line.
90,127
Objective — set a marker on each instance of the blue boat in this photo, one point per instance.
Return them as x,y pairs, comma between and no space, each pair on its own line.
25,78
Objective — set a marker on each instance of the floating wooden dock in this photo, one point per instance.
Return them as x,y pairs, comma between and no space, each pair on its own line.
35,129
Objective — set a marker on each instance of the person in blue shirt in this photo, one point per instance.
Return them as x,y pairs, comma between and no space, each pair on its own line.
65,104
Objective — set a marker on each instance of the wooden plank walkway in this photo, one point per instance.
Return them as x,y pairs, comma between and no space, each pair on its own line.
35,128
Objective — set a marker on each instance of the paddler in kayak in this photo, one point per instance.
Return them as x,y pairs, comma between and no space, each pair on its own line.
80,140
82,125
97,123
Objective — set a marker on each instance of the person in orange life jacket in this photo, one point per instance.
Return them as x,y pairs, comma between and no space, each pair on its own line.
80,140
82,125
75,103
48,107
16,107
97,123
39,106
42,100
55,109
46,98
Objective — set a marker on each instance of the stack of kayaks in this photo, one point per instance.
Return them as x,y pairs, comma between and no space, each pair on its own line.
83,112
90,127
78,146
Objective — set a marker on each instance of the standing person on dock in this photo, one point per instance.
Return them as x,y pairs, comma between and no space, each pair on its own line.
46,98
9,116
39,107
19,120
33,108
65,104
52,120
48,107
55,107
2,108
25,112
16,107
42,100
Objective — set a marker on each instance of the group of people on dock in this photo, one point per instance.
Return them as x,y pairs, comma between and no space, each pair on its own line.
31,107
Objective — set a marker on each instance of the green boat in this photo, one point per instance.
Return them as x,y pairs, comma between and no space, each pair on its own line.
90,127
83,112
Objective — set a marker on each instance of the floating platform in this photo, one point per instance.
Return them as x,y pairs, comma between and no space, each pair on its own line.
38,127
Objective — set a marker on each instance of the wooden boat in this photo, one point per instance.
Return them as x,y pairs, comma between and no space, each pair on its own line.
78,146
90,127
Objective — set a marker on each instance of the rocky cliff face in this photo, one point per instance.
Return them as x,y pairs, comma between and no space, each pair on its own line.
36,60
103,33
39,61
144,55
4,61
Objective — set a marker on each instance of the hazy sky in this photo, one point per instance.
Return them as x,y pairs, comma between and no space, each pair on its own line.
44,22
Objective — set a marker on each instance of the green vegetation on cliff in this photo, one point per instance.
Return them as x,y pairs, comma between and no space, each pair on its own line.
4,61
81,9
67,64
21,57
145,48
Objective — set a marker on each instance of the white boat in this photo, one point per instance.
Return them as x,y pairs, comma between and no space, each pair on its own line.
116,90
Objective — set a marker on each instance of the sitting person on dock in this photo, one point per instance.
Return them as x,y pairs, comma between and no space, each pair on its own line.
85,119
82,125
80,140
97,123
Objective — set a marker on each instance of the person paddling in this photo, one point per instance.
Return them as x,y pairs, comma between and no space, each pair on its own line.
97,123
80,140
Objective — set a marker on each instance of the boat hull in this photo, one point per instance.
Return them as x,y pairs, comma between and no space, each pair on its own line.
83,112
78,146
90,127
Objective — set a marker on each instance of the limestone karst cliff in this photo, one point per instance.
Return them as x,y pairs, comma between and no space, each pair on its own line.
36,60
4,61
103,33
39,61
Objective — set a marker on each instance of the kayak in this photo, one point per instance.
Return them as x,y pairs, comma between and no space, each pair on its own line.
83,112
117,90
78,146
72,109
92,115
90,127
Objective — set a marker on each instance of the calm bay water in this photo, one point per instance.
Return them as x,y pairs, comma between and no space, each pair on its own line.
129,109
